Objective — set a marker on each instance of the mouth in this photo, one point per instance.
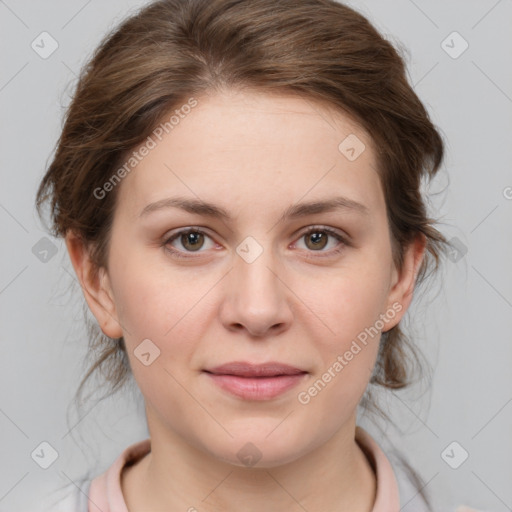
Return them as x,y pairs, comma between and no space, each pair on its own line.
244,369
256,381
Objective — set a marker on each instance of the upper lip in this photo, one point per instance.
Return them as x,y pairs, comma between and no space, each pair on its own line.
245,369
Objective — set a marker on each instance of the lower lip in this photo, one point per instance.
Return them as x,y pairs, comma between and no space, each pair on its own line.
256,388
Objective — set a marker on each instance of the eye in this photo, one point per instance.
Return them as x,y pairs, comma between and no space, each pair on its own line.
317,238
191,240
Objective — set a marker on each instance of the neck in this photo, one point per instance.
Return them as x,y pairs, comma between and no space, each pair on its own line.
176,476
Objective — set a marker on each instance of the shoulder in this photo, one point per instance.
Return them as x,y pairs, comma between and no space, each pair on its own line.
413,497
396,473
104,489
410,486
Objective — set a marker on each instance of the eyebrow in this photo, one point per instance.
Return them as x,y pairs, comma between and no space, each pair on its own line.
207,209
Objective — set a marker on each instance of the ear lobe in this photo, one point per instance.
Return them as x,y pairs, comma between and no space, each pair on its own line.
95,286
402,290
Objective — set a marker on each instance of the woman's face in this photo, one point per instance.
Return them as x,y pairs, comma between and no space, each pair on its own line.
254,286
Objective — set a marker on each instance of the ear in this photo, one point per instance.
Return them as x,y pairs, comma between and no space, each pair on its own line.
95,286
404,280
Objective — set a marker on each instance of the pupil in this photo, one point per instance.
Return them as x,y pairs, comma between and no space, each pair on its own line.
192,239
317,238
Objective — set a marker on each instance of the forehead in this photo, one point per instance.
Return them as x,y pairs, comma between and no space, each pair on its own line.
241,148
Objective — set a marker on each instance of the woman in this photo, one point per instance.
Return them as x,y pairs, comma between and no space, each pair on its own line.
238,184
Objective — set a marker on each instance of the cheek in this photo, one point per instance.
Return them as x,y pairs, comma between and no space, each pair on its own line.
347,302
147,305
164,306
348,333
151,297
144,305
348,351
165,315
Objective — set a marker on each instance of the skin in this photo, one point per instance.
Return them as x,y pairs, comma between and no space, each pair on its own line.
254,155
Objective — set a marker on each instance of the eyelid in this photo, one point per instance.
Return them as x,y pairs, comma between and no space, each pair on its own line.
320,227
343,239
170,237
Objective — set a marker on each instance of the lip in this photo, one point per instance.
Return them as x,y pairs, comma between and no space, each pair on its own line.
245,369
256,381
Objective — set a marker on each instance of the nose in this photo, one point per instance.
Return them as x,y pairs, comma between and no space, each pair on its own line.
256,297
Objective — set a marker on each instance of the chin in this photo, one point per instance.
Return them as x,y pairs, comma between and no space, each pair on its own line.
259,451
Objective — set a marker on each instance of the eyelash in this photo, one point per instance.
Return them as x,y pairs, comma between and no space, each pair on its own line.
312,229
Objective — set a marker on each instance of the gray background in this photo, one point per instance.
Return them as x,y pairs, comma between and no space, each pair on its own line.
463,323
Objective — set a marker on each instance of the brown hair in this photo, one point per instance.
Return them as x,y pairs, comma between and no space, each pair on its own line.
157,59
